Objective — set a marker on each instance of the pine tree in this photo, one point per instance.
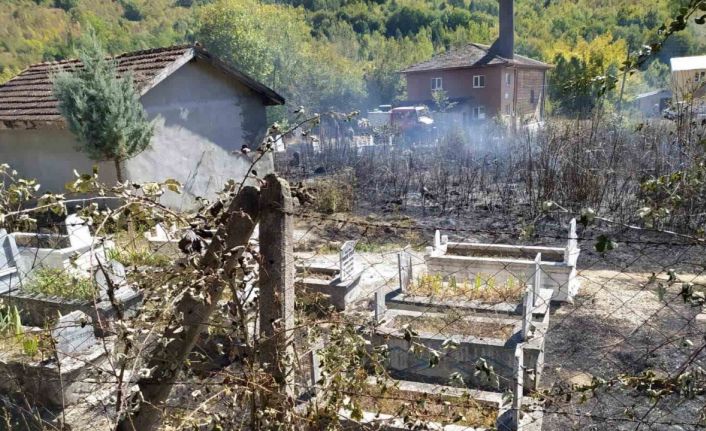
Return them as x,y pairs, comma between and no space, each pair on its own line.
102,109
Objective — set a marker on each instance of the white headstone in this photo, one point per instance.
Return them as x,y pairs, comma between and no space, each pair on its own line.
78,231
73,335
527,313
380,307
437,241
8,250
404,267
537,283
518,389
572,246
347,260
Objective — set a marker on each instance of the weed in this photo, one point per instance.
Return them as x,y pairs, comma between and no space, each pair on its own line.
59,282
138,256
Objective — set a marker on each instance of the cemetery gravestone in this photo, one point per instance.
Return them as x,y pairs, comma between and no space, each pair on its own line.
115,271
347,260
404,264
78,231
527,313
379,305
73,335
537,284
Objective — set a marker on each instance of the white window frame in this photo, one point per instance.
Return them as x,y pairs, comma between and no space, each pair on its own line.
479,112
437,84
478,81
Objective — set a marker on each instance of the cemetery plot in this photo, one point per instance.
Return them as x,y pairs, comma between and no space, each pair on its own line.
73,249
492,339
435,405
482,294
340,285
53,368
507,262
63,293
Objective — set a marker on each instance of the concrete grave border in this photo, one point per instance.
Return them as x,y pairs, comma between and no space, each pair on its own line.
388,422
53,384
497,352
559,265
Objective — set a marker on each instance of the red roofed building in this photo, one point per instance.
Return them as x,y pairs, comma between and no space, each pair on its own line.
483,81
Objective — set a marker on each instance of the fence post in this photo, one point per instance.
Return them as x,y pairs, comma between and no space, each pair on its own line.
234,231
277,280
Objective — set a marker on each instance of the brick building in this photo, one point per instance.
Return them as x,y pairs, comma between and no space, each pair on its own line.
483,81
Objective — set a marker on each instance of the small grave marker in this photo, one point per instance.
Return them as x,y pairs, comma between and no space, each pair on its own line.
537,283
115,271
8,250
404,267
380,307
78,231
73,335
572,246
347,260
527,313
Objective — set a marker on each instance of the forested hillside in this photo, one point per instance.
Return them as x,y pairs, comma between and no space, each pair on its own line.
344,54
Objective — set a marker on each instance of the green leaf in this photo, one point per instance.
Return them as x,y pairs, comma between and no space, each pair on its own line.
605,244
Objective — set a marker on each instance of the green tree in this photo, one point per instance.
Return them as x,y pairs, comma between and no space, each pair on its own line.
102,109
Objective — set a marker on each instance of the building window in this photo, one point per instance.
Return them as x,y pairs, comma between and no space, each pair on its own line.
437,84
478,81
508,78
479,112
532,99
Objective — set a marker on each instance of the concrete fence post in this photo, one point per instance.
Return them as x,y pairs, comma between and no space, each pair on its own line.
277,280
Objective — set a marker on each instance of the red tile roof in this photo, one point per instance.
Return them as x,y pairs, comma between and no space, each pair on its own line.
471,55
26,101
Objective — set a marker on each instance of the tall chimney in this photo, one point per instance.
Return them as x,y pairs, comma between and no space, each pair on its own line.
505,45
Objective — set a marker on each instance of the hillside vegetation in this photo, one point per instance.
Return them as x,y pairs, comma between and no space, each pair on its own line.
345,54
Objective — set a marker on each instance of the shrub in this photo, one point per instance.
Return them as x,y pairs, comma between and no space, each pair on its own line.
334,194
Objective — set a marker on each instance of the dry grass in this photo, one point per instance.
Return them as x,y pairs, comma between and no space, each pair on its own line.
483,288
439,408
456,325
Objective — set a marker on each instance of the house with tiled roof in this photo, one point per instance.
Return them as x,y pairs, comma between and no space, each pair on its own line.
203,110
481,81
